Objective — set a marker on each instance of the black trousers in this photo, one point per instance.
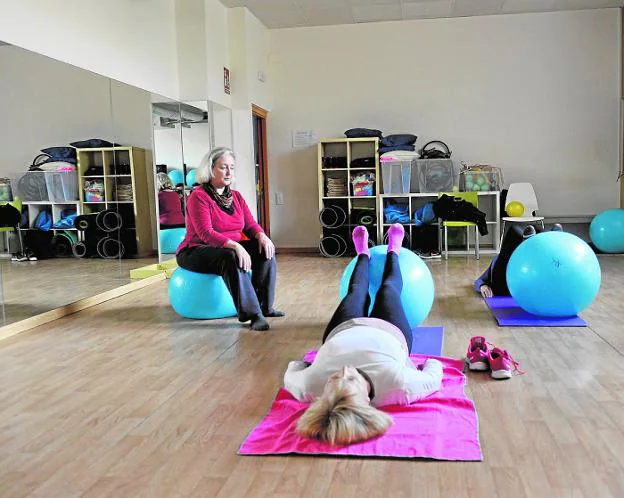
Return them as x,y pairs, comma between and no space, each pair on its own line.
387,301
511,240
252,294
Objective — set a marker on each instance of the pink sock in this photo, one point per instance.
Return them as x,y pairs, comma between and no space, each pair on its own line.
360,240
396,233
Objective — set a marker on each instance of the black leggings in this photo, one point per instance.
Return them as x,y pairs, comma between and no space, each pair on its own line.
387,301
253,294
511,240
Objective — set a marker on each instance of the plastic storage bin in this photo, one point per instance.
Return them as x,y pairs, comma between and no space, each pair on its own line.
480,179
396,175
62,185
30,186
436,175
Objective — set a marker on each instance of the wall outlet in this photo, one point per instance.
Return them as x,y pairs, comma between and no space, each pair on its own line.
279,198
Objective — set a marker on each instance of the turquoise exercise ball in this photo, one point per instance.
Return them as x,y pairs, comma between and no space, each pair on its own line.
200,296
176,176
469,186
418,287
553,274
607,231
476,187
480,180
170,239
190,177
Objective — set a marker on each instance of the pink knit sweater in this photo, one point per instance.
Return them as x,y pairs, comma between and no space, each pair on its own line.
207,224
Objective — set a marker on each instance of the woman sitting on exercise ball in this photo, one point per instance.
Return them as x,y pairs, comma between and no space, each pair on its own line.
364,360
493,281
170,212
217,217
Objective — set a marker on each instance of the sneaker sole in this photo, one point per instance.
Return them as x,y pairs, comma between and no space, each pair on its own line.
501,374
478,365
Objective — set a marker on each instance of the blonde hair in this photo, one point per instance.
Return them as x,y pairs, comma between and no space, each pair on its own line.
164,182
204,170
339,418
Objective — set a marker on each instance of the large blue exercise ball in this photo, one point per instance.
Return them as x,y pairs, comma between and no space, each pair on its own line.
170,239
418,287
199,295
607,231
553,274
190,177
176,176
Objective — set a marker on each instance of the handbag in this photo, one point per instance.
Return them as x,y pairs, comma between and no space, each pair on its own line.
435,153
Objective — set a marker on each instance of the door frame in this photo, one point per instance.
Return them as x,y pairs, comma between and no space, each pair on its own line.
262,114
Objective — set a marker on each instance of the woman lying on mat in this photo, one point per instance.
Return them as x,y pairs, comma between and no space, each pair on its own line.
493,282
364,360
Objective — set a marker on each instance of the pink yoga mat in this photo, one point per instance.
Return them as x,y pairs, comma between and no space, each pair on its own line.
443,426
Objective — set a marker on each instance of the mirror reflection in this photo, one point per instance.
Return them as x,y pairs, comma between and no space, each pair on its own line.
75,184
184,132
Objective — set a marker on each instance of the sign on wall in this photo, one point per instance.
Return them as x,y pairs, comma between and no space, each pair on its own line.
226,80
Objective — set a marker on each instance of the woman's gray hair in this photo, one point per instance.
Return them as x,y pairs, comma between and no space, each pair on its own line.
164,182
204,170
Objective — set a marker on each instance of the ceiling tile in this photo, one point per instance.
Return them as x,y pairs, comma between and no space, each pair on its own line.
477,7
324,17
281,18
586,4
427,9
234,3
270,4
517,6
373,13
373,2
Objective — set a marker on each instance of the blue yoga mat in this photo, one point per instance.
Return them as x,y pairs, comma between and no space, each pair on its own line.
427,341
509,314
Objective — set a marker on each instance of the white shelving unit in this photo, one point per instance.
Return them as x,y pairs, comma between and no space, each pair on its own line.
489,203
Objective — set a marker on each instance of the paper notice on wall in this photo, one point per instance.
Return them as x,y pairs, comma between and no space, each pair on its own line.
303,138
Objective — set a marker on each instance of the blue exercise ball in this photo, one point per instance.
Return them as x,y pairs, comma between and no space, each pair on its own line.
553,274
170,239
200,295
190,177
176,176
607,231
418,287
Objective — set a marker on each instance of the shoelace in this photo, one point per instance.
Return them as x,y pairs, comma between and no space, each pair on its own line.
515,363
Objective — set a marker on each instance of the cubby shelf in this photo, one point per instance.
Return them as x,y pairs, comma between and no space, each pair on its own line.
345,151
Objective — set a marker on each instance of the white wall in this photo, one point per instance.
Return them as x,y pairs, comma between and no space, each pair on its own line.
217,50
245,31
537,94
191,49
49,103
133,41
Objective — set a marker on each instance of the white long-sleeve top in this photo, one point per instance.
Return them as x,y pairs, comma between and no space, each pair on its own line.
376,352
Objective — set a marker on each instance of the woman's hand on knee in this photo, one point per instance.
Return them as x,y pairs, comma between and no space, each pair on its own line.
242,257
266,245
486,291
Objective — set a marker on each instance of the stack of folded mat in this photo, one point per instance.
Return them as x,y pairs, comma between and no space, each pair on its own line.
336,187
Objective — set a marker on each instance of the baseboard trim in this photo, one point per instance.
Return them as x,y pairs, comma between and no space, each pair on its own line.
297,250
13,329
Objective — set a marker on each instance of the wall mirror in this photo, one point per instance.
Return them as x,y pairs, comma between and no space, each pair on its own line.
183,133
76,184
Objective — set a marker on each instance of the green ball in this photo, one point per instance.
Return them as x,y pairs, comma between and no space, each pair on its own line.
480,180
469,186
476,187
468,178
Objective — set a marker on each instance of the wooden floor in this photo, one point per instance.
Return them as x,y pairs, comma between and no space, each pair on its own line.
29,288
128,399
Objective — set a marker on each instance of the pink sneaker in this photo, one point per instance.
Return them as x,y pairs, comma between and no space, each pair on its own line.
478,355
502,364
